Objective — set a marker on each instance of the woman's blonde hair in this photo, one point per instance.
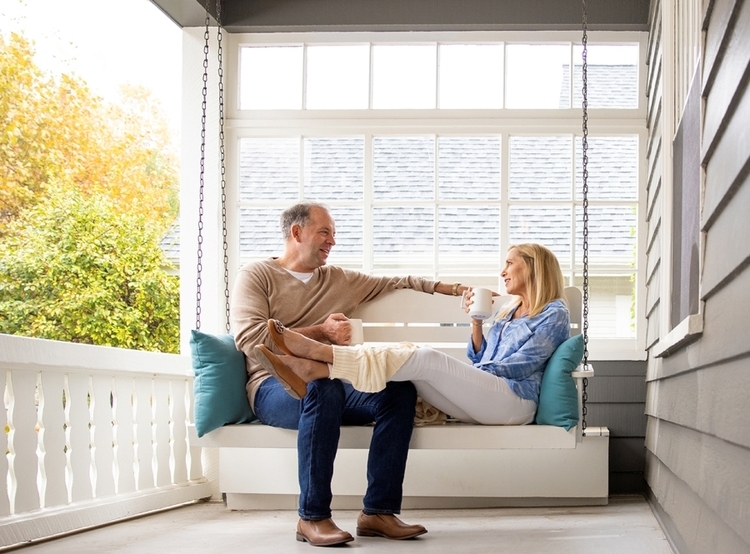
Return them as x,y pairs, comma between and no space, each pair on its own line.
542,276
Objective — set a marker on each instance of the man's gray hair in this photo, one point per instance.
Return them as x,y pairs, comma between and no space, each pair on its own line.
299,214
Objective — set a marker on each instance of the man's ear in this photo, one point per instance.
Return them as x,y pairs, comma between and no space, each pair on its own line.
296,232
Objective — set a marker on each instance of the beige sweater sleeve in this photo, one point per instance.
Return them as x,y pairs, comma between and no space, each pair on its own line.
368,368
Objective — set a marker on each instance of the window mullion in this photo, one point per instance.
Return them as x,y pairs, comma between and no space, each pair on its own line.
504,204
368,247
304,76
572,75
436,211
302,166
370,84
437,77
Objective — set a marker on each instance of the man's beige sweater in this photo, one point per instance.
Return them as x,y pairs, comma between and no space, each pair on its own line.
265,290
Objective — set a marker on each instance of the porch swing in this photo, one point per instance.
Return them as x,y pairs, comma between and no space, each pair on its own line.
557,448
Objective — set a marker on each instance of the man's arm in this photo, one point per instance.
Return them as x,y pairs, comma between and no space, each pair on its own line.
336,329
450,289
249,311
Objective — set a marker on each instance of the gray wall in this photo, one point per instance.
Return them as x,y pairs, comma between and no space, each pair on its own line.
698,430
617,396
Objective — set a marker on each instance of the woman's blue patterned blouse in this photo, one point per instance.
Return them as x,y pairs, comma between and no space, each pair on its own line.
519,352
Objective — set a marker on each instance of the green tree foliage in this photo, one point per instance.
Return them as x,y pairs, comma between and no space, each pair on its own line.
56,133
74,268
25,128
86,191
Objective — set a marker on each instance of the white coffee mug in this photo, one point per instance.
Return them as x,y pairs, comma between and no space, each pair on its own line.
358,336
481,303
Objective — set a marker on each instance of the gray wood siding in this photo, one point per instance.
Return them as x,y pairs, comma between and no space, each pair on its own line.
698,422
617,396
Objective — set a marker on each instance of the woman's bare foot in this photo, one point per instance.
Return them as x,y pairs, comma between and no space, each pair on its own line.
305,368
294,344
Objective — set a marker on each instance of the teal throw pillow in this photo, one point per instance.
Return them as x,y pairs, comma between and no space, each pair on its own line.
558,398
220,379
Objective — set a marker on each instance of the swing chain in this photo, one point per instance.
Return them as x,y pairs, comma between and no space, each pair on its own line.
222,160
201,196
204,109
585,195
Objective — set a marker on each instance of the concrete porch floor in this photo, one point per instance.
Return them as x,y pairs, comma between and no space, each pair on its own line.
626,525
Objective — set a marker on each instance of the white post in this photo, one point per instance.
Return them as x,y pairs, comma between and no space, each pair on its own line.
24,495
53,461
102,437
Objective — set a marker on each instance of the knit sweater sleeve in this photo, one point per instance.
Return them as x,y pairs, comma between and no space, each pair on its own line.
370,286
250,308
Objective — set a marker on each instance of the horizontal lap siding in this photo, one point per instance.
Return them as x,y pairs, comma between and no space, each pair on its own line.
698,431
693,528
732,227
616,399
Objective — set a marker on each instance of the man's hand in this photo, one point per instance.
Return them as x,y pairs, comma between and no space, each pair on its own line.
337,329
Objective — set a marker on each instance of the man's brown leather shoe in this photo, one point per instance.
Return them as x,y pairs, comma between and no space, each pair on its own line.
292,383
323,532
388,526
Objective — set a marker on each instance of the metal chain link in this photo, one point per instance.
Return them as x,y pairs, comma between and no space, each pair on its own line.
585,194
222,160
204,92
204,109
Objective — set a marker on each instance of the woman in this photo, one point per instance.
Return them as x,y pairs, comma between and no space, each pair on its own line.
499,387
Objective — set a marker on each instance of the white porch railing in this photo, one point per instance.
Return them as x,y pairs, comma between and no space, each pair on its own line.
91,435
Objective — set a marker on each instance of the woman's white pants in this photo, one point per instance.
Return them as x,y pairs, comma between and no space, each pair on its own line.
463,391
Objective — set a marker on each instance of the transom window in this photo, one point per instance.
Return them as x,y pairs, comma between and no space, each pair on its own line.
434,157
435,75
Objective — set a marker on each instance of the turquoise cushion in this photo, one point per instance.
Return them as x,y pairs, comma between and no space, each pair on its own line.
220,378
558,398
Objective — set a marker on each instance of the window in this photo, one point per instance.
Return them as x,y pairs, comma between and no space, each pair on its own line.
686,317
434,157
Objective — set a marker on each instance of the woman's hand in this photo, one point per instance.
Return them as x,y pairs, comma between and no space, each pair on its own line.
468,298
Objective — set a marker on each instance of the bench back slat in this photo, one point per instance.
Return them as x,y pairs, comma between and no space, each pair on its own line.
407,315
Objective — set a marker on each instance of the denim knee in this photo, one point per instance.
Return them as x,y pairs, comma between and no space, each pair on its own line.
327,392
400,396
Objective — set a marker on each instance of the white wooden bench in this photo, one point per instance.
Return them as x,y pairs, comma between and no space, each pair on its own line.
452,465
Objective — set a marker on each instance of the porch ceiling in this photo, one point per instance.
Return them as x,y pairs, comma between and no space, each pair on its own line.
241,16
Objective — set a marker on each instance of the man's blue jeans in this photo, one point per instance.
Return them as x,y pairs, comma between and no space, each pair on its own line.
318,417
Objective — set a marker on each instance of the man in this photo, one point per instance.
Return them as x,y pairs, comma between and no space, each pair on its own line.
314,299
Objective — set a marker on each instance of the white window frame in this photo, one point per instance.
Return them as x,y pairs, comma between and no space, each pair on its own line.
681,33
282,123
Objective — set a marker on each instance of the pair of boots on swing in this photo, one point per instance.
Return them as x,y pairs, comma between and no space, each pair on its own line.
310,361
